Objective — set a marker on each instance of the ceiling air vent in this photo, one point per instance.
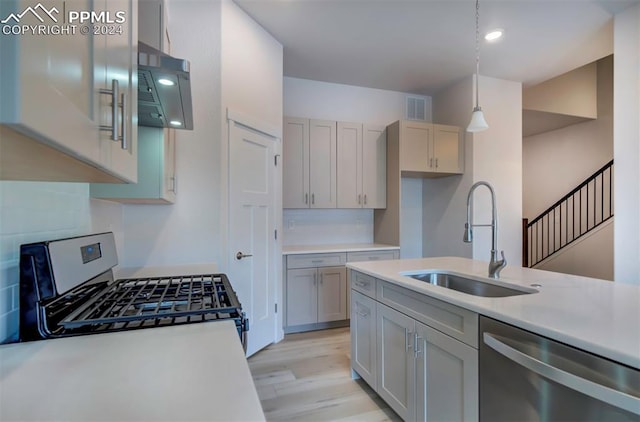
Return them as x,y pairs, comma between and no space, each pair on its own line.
416,108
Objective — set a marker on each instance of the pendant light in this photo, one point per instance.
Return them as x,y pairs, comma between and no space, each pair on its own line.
477,123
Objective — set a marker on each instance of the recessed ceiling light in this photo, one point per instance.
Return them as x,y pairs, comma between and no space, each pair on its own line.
167,82
175,123
494,35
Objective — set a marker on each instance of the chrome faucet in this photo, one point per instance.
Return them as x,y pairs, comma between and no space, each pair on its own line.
495,265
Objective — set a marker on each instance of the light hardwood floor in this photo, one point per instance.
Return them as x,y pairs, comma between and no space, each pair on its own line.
307,377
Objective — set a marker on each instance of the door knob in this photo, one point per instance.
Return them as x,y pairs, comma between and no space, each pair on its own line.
240,255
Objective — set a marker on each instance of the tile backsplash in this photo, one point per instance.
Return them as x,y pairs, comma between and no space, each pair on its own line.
31,212
327,226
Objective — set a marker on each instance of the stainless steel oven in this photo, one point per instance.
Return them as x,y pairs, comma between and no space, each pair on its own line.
67,288
527,377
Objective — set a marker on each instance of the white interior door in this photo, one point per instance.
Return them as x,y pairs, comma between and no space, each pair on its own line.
252,225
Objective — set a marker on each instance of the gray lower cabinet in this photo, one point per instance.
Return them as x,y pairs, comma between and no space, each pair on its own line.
396,363
446,377
421,372
363,335
316,295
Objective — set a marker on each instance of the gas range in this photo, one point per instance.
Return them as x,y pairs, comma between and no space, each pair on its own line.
67,288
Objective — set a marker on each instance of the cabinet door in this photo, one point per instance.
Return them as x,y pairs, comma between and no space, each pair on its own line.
446,377
332,294
295,167
47,82
448,149
170,178
322,163
363,337
302,296
349,178
374,167
415,146
396,361
121,60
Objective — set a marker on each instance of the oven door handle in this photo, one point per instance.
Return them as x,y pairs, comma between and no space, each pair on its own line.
567,379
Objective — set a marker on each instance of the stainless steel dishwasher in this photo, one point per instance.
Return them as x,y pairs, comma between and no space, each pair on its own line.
527,377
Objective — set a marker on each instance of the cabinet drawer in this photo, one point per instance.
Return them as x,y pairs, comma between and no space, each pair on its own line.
372,255
316,260
363,283
457,322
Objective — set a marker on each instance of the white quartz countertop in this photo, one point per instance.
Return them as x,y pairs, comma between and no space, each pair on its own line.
599,316
180,373
344,247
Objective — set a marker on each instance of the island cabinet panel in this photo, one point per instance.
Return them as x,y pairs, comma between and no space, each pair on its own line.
446,377
396,364
363,337
427,360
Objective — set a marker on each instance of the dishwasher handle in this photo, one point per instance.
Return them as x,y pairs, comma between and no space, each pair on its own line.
569,380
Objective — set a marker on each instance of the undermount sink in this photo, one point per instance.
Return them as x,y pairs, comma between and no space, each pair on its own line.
471,286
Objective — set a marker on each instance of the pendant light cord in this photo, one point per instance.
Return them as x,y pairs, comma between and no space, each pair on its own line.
477,51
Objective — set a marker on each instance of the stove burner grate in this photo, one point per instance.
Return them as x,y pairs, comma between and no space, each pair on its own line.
140,302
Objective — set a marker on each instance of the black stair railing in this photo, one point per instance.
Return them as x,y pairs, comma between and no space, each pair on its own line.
580,211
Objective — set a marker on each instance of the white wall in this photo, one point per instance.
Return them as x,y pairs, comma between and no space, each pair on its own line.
252,63
495,156
188,231
626,137
555,162
445,199
497,159
329,101
235,65
571,259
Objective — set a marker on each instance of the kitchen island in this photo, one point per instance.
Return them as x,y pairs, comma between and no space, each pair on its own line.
435,353
186,372
598,316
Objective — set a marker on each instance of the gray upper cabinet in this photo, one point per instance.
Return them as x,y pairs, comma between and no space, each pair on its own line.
429,150
309,163
60,117
331,164
362,166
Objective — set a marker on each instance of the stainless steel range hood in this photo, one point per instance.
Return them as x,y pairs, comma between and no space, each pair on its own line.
164,90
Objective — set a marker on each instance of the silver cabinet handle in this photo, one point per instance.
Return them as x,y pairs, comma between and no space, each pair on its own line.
569,380
359,199
313,199
407,339
362,284
240,255
436,163
114,92
124,140
363,314
306,198
174,184
416,345
430,162
365,199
